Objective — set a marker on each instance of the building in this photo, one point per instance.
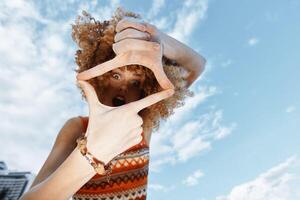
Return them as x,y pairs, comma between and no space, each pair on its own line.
13,183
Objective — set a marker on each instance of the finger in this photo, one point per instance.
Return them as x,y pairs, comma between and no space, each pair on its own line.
151,60
132,142
151,29
102,68
130,44
150,100
89,92
130,22
134,121
162,78
138,121
131,33
92,97
136,134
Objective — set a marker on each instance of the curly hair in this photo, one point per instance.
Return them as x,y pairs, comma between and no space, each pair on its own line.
95,39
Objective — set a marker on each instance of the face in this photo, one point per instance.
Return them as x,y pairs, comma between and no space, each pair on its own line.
123,87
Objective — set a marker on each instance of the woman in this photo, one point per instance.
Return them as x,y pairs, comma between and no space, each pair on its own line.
126,105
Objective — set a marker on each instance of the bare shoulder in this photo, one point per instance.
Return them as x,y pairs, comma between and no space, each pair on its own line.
71,130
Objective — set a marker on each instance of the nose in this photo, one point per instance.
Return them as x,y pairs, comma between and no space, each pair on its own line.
123,87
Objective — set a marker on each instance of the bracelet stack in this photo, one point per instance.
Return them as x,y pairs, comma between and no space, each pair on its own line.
98,165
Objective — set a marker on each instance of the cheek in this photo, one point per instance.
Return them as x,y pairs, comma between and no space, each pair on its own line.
134,94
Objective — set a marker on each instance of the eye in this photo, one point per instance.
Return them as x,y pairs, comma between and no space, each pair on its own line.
116,76
136,83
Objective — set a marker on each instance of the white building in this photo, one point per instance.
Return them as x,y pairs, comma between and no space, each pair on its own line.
13,183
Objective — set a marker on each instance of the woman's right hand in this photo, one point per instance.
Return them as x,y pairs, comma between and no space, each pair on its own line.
112,130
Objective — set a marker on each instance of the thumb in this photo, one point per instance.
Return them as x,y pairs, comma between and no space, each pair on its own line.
152,99
89,92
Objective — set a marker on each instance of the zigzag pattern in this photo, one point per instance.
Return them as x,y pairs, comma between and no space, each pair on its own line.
130,160
134,193
117,179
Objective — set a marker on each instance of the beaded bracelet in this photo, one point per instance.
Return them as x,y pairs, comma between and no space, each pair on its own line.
98,165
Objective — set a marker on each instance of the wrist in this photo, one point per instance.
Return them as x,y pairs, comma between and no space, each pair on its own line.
99,166
99,153
91,172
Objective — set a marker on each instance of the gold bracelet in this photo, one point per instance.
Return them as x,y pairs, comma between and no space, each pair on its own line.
98,165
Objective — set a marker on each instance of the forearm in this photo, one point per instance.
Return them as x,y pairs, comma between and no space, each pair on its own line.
68,178
185,56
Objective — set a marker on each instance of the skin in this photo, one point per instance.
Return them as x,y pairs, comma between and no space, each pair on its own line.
64,159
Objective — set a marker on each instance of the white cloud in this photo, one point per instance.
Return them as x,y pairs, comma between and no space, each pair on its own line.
290,109
222,132
202,93
182,139
102,12
226,63
160,188
184,135
278,183
188,17
193,148
193,179
253,41
37,79
157,5
156,164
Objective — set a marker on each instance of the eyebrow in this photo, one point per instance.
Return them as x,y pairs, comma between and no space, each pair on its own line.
137,74
118,70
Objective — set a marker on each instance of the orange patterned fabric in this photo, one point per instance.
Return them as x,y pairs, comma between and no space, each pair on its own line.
128,180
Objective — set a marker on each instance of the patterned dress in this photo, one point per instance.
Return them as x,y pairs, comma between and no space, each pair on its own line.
128,180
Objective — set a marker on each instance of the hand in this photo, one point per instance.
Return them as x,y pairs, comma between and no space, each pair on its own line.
132,28
173,49
112,130
133,51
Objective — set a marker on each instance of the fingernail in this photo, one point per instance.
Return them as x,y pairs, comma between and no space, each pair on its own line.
156,46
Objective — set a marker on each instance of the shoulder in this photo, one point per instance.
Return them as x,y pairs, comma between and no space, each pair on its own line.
74,123
71,129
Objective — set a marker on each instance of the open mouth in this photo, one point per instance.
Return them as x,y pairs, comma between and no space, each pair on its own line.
118,100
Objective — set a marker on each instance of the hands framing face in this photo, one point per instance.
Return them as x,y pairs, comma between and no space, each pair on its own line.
112,130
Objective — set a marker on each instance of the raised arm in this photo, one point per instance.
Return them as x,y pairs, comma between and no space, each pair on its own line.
184,56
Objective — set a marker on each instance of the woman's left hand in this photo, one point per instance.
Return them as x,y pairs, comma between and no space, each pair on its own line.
173,49
134,29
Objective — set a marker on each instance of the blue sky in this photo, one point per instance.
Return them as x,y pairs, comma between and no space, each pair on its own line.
237,138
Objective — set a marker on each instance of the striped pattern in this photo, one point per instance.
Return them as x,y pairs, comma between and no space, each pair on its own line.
128,180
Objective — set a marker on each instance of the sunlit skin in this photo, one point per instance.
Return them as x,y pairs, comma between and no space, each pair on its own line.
124,83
